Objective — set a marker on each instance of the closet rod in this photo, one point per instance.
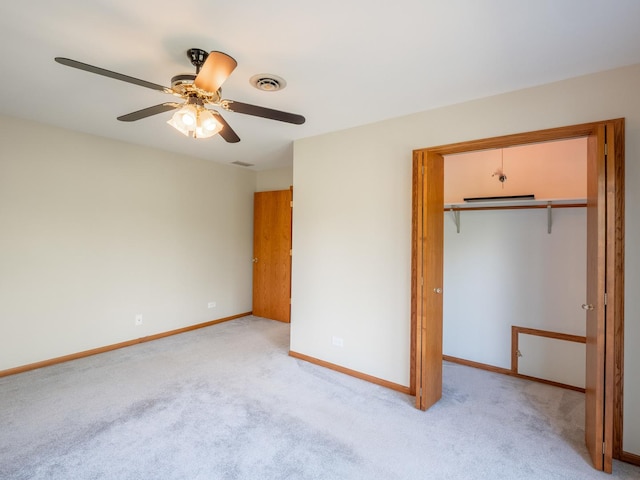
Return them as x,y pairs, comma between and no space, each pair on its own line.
514,207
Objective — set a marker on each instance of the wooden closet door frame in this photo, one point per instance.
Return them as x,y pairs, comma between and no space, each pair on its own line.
614,334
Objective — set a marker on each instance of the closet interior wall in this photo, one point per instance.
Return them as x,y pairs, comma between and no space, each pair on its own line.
504,268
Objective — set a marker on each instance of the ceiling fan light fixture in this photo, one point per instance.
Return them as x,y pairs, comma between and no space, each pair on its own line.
195,121
188,118
184,119
207,125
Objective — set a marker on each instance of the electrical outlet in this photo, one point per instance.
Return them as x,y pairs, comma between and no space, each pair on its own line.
211,305
337,341
138,320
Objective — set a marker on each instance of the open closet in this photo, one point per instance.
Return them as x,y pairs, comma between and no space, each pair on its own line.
514,260
601,306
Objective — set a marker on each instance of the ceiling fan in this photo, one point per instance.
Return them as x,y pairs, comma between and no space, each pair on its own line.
192,118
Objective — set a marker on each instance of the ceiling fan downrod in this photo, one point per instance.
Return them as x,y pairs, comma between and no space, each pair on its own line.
197,57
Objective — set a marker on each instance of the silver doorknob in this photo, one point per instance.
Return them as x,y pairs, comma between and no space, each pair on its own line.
254,260
437,290
586,306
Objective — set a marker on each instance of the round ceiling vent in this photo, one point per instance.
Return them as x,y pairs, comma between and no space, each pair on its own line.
268,82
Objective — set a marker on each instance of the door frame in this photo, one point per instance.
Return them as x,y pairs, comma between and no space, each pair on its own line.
614,333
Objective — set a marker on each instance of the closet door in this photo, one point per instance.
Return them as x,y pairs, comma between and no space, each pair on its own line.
599,328
594,306
429,263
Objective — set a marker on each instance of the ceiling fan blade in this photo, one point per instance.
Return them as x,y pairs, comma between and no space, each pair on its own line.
263,112
227,132
216,69
108,73
147,112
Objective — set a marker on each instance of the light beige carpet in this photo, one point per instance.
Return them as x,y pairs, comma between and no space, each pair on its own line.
227,402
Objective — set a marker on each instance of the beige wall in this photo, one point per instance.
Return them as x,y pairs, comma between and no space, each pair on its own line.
352,221
93,232
275,179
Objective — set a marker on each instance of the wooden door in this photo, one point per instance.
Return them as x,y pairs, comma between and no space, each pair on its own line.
429,263
594,306
272,255
603,300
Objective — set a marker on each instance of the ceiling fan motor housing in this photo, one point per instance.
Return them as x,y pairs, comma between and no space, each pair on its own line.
183,85
183,79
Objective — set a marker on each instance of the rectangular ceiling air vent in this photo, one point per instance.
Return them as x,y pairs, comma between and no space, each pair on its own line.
243,164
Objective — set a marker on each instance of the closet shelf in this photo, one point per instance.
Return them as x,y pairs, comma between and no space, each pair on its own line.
456,208
515,204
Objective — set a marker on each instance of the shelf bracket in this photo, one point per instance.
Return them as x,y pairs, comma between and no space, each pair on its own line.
456,219
549,217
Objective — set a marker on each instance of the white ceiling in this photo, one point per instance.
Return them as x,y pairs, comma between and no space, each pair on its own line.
347,63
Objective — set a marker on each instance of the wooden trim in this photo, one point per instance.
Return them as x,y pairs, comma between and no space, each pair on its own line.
514,207
629,457
352,373
515,331
481,366
416,260
549,334
115,346
615,271
504,141
550,382
415,185
510,373
514,350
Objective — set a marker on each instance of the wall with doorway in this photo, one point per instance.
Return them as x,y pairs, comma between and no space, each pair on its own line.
352,221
